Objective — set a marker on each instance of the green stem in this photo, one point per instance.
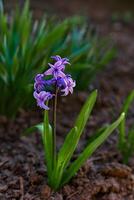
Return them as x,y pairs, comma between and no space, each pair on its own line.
54,125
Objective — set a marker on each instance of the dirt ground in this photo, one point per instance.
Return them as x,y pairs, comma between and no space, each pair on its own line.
103,177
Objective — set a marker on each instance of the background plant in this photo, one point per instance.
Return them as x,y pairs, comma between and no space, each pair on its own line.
126,136
26,45
127,17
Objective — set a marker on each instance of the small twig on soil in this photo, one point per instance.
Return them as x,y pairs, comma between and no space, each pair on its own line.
102,156
3,163
21,188
71,195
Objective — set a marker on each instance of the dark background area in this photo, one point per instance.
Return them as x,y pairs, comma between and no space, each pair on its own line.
97,8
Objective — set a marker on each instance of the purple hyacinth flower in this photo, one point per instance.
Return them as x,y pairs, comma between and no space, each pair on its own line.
56,70
39,82
45,86
61,83
38,86
50,82
70,84
39,77
58,67
41,98
64,61
56,58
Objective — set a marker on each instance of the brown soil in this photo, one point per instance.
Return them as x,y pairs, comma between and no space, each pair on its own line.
23,172
103,177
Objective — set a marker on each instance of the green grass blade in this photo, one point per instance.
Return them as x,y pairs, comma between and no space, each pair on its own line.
47,142
89,150
122,135
128,149
122,129
128,102
131,141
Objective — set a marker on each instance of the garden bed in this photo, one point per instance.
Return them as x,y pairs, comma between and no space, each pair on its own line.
103,177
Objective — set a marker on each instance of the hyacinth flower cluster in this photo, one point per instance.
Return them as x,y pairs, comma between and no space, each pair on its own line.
52,82
60,168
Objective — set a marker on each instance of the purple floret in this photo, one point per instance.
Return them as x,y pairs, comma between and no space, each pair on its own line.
41,98
70,84
58,67
64,61
61,83
39,83
56,70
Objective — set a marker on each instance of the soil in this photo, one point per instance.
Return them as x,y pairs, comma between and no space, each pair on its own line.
103,177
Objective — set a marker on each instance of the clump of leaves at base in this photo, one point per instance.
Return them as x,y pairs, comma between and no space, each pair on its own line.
60,169
126,136
25,48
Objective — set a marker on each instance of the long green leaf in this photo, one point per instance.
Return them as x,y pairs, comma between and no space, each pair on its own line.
73,137
63,157
128,102
80,125
122,126
89,150
85,112
47,141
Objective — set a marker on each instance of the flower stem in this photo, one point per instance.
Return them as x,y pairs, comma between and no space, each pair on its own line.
54,125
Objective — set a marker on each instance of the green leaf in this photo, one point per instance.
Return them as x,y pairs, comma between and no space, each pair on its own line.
55,34
79,52
34,128
109,55
122,135
48,144
131,141
72,139
128,102
78,128
122,127
1,6
46,132
128,149
64,157
85,112
71,171
95,135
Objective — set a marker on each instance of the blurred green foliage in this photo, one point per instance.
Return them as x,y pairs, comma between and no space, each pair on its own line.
26,46
126,136
126,17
